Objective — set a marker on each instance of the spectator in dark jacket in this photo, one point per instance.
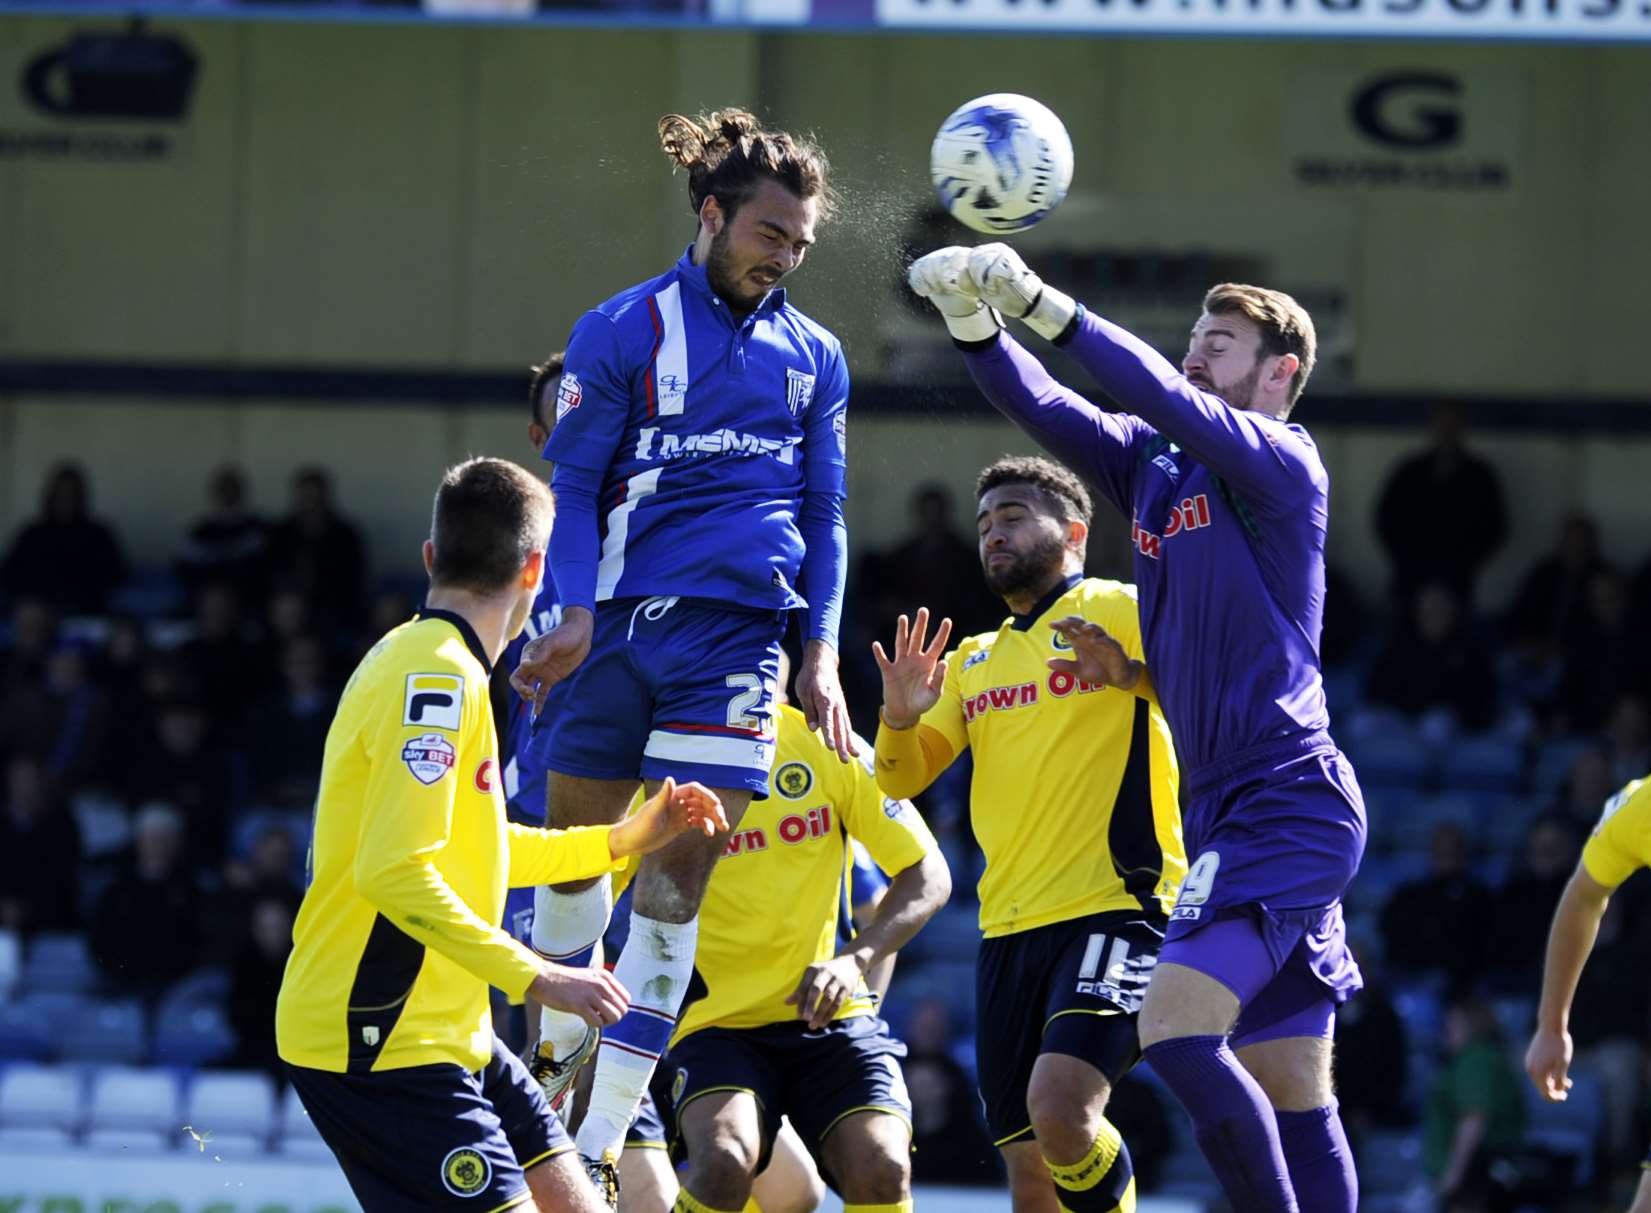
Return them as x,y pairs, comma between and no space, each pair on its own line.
39,853
228,543
255,980
144,929
286,732
1431,668
316,551
1441,516
1524,905
1449,892
65,556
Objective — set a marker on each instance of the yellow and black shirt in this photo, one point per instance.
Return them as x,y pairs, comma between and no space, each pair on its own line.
1073,799
1621,843
397,939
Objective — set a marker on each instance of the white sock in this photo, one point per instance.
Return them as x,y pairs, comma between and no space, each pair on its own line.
655,968
567,927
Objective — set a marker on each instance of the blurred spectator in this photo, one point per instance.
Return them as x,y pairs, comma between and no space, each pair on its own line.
255,980
1441,515
1432,671
226,544
183,764
39,853
390,610
269,869
950,1144
144,931
1587,787
1524,905
63,723
936,565
318,552
1475,1113
119,668
33,635
1628,737
1604,656
226,664
287,730
66,557
1346,621
1413,943
1549,603
1372,1058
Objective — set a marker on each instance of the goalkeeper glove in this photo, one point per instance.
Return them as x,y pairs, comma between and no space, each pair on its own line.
942,278
1001,278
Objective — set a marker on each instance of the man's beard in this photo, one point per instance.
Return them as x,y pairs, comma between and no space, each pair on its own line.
720,273
1240,393
1024,571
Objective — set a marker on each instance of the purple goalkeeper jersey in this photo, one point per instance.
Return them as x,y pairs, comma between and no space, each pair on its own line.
1228,511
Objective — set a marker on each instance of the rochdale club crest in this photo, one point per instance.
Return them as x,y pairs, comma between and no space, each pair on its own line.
465,1171
428,757
793,780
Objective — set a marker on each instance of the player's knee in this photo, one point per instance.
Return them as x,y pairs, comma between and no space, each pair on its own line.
1064,1121
880,1175
720,1170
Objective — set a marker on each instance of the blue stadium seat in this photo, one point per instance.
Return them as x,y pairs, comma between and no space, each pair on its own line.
1504,824
1412,830
255,821
34,1026
951,935
1484,764
41,1097
59,963
149,592
11,963
238,1102
193,1035
105,824
1394,763
115,1032
1554,760
128,1099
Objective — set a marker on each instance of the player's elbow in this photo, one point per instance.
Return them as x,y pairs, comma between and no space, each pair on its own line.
934,876
377,882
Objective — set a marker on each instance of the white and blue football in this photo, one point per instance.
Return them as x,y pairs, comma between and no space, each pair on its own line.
1001,162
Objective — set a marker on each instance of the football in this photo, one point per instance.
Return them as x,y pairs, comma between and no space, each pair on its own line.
1001,162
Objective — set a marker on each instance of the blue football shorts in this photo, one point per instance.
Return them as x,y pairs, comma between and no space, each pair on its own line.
677,687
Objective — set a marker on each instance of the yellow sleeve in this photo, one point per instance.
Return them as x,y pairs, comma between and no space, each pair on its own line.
539,856
405,824
892,831
909,760
1621,843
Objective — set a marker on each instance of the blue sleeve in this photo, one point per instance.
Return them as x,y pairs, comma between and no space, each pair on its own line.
1273,465
573,548
1099,446
820,520
593,403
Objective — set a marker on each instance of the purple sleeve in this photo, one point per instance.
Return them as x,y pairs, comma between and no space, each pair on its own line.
573,537
1098,446
1272,464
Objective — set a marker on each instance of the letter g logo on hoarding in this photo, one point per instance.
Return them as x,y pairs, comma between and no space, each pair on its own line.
1409,109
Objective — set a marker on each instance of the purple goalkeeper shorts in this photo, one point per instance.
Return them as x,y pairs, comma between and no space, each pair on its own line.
1274,837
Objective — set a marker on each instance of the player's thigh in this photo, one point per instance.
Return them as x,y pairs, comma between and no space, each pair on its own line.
1031,1190
1012,974
790,1183
646,1182
578,800
559,1185
869,1153
1183,1001
425,1137
671,882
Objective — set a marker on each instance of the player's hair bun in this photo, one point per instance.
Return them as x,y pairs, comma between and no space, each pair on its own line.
701,143
727,151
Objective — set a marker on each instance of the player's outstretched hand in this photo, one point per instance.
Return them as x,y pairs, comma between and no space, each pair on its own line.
942,277
1096,656
825,987
913,676
820,696
548,659
594,995
1548,1062
677,808
1004,282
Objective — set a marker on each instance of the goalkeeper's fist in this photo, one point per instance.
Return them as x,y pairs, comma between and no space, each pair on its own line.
942,277
1003,281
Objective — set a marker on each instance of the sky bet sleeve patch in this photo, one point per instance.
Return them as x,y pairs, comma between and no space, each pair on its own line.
428,757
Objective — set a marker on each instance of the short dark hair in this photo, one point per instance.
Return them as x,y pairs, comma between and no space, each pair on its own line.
728,152
538,393
490,515
1058,484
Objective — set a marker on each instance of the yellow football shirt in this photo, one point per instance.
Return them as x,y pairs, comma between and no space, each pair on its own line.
1074,793
772,906
397,939
1621,843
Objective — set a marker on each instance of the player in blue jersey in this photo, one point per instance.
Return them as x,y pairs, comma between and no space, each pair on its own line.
1228,508
699,473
